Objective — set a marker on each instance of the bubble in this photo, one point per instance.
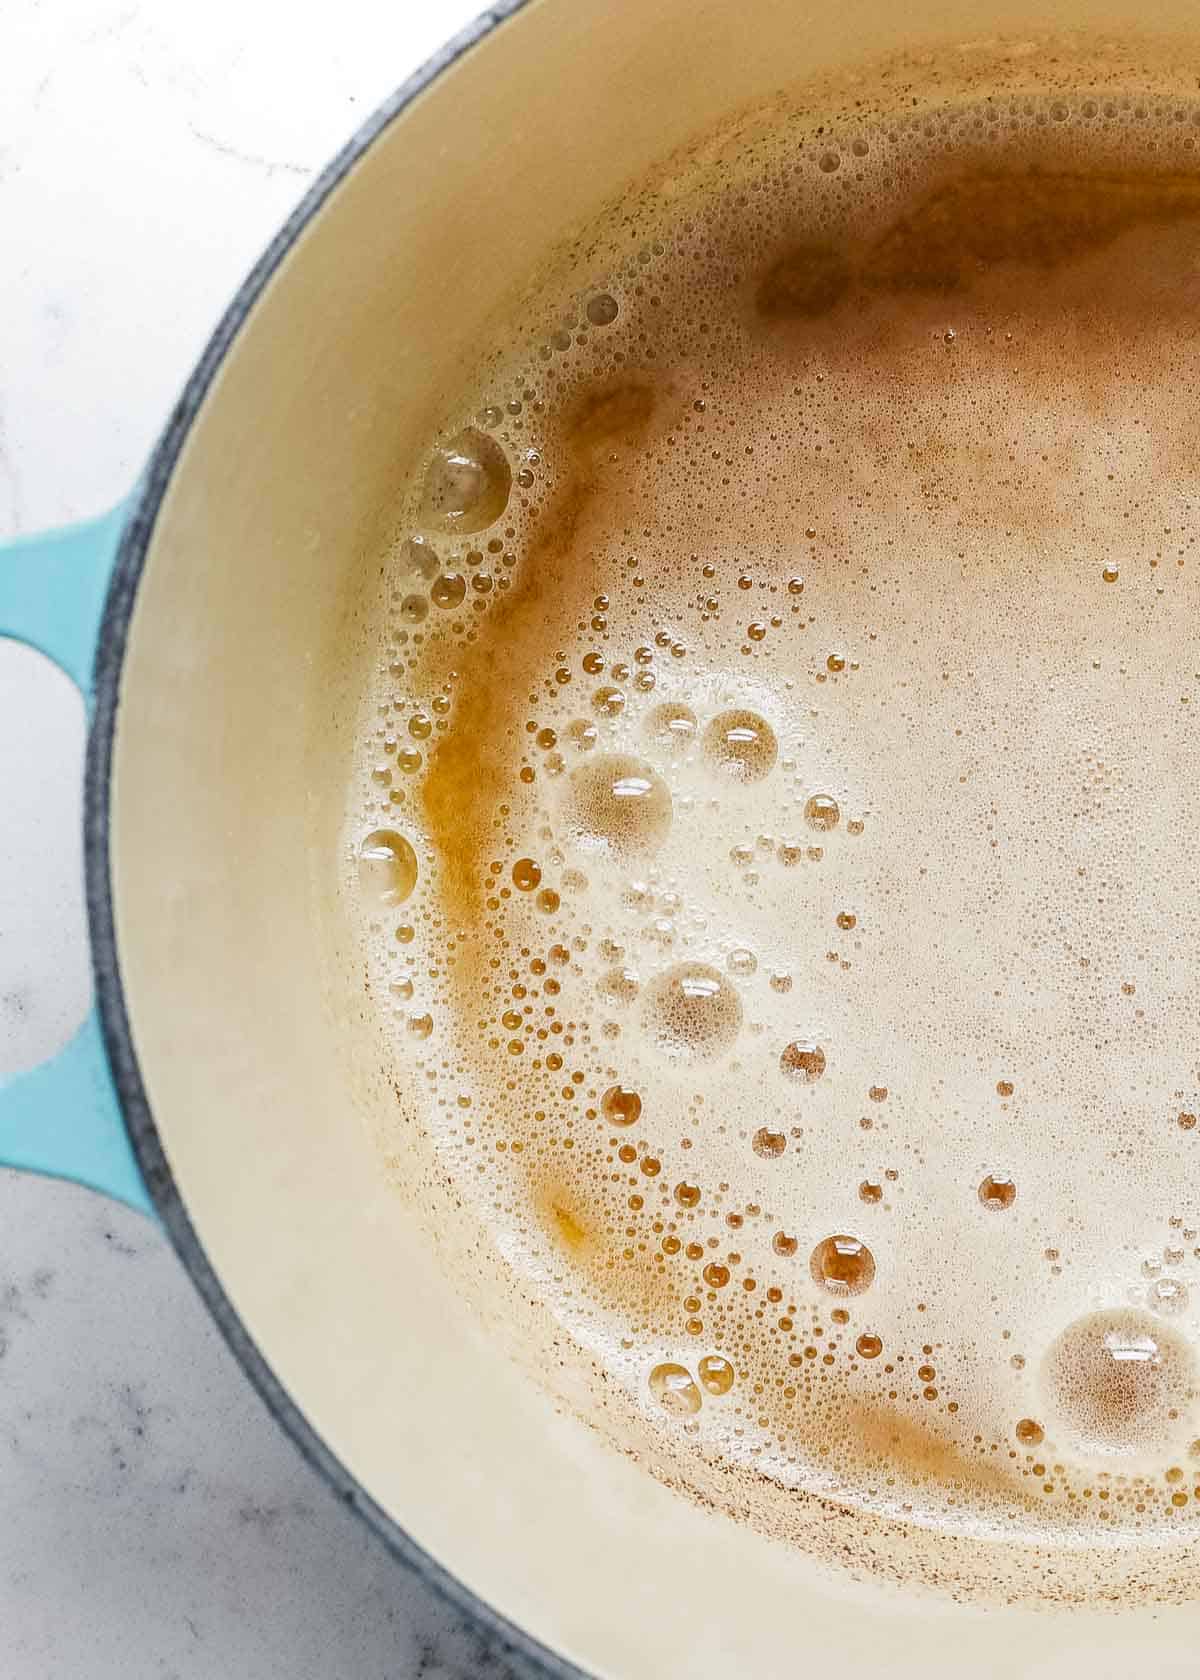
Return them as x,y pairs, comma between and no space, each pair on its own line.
467,484
414,609
803,1060
419,559
387,867
781,980
618,803
842,1265
1110,574
672,722
846,919
621,1106
687,1195
449,590
619,985
526,874
693,1012
582,734
822,812
1029,1432
997,1191
767,1143
1118,1382
836,662
672,1386
420,1026
742,744
602,310
715,1373
868,1192
1167,1296
868,1346
741,961
715,1275
608,701
784,1245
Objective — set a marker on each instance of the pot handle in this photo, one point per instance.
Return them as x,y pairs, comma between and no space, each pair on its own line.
63,1117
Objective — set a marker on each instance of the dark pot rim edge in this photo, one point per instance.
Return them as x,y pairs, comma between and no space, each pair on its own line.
114,1016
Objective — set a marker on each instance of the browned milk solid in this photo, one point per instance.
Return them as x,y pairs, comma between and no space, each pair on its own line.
775,842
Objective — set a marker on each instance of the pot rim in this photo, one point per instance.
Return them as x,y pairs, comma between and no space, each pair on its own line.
110,996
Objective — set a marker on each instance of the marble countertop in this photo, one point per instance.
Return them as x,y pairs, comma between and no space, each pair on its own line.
156,1524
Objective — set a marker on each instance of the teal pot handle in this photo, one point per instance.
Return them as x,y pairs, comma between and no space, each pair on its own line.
63,1117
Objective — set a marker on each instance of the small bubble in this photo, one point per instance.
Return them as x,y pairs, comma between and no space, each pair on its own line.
869,1192
672,1386
767,1143
803,1060
619,804
608,701
741,961
715,1373
526,874
868,1346
1167,1296
1029,1432
693,1012
784,1245
843,1265
449,590
1004,1087
1110,574
602,309
796,586
878,1093
715,1275
467,484
997,1191
836,662
822,812
387,867
672,722
781,980
621,1106
829,161
846,919
1119,1381
619,985
420,1026
742,744
687,1195
414,609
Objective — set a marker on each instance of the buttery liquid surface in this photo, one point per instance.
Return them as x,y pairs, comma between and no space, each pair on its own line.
777,836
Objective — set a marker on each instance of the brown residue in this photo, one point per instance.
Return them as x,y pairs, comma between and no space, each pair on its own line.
808,280
1030,218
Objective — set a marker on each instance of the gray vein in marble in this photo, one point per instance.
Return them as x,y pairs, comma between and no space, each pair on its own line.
272,166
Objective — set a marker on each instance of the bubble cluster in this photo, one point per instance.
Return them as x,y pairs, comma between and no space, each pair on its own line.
776,781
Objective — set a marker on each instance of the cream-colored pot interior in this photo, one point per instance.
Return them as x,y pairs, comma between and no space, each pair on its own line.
230,760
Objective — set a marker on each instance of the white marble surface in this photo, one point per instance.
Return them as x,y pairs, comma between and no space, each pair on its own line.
153,1520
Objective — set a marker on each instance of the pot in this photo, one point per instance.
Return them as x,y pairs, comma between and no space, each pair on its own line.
228,1081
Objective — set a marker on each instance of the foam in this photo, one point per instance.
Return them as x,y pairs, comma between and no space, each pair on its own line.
808,748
